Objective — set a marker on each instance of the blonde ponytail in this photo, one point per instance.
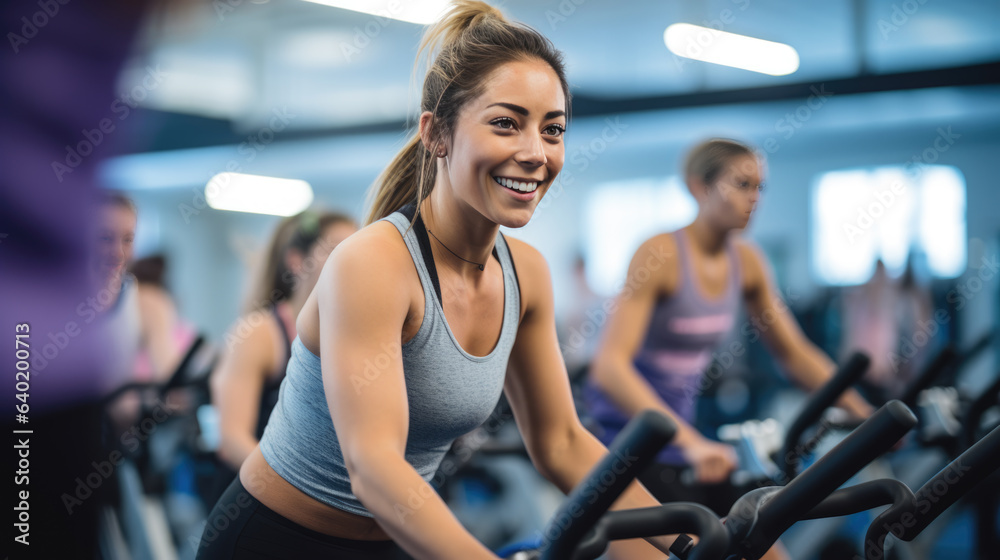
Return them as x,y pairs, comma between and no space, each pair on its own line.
463,15
408,178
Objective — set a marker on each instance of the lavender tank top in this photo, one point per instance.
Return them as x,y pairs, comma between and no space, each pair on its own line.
683,330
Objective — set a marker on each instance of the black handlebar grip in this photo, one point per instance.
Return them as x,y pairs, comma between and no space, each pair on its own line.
974,415
793,502
907,518
944,360
861,497
675,517
847,375
631,452
177,377
954,481
984,342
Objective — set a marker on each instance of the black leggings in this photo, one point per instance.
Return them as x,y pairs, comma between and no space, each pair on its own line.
240,527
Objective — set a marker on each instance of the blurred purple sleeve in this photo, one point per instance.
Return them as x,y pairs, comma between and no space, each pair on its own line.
58,66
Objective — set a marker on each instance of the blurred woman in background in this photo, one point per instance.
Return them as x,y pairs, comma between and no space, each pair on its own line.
136,318
871,325
246,381
169,336
116,304
680,300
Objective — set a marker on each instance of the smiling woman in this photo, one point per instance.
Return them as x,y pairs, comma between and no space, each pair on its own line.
117,303
520,70
420,320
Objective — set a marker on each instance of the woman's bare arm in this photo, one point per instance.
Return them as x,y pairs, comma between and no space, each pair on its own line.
362,312
237,384
537,387
806,364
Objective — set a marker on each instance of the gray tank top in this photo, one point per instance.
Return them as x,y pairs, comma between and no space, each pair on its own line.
450,392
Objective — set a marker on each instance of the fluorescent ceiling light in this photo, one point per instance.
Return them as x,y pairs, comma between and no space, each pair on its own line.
730,49
255,194
413,11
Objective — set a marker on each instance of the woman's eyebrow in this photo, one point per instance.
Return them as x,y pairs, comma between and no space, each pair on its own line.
516,108
522,111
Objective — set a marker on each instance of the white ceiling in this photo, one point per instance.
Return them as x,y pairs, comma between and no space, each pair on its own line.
333,68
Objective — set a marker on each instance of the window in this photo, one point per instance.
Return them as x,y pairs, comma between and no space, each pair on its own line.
862,215
620,215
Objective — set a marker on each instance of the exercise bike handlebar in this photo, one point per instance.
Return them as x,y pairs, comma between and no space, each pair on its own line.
874,437
760,517
679,517
846,375
631,452
177,377
948,361
945,359
940,492
861,497
974,415
981,344
910,513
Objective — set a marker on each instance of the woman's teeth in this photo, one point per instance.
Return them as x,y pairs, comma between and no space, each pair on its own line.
516,185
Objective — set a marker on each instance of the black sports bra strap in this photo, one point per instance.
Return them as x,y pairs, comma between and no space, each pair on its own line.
283,329
425,246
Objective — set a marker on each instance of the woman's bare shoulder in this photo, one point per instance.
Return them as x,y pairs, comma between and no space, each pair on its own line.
530,263
378,246
662,245
657,259
753,264
371,267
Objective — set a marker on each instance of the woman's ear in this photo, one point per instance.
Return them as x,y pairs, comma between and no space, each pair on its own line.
428,134
697,187
427,130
